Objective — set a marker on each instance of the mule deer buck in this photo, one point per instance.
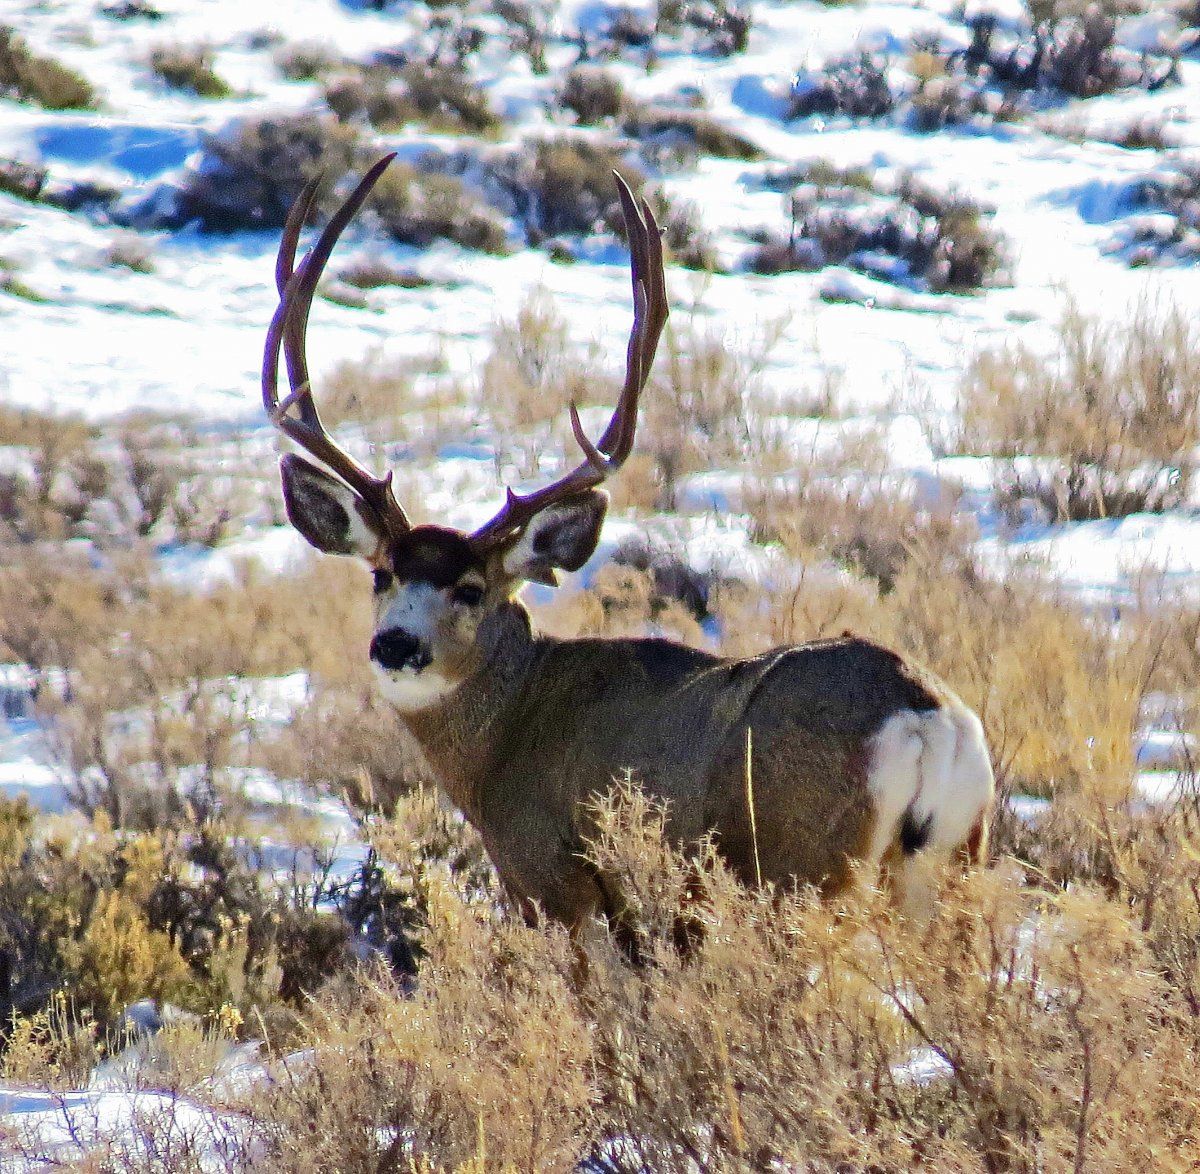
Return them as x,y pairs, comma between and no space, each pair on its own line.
857,755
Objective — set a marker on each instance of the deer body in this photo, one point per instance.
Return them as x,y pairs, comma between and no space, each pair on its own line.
522,748
858,757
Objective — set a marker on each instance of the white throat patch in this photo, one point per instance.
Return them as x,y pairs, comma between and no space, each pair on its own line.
411,691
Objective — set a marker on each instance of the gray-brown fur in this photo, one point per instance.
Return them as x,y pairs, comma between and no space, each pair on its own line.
546,725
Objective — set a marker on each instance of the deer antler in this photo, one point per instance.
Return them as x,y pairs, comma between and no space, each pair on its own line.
650,312
288,328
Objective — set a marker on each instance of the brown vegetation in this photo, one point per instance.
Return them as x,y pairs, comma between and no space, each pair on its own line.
1051,1002
1106,426
145,478
189,67
28,77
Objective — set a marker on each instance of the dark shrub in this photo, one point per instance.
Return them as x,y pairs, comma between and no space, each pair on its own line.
705,26
572,187
688,133
419,207
672,576
306,61
372,94
857,87
251,173
529,25
912,235
592,93
441,96
22,179
1071,53
189,67
132,10
446,95
688,242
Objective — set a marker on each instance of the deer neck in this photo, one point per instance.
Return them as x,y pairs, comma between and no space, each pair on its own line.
462,735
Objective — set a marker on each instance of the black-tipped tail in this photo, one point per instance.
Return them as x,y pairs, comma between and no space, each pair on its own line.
914,833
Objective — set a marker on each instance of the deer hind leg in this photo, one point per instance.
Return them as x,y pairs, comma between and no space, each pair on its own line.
931,780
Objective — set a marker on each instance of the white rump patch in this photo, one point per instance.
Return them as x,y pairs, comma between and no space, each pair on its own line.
411,691
935,762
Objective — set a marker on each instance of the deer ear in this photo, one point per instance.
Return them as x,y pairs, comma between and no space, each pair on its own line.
330,515
562,537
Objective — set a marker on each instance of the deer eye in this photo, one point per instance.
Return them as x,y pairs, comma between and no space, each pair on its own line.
468,594
383,580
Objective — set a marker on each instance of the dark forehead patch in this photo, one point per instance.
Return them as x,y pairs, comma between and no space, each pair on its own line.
430,554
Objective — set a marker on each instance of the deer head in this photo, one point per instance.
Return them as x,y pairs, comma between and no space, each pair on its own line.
436,587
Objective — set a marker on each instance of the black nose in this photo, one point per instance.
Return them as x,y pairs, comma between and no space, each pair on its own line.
395,649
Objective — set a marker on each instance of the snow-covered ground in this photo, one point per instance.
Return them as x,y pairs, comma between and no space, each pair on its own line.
187,336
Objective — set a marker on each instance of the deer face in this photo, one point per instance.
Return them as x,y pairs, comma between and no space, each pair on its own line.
434,587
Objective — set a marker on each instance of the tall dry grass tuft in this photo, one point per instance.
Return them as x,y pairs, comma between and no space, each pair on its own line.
533,373
462,1074
1107,425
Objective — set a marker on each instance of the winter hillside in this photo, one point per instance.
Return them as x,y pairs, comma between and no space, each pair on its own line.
932,374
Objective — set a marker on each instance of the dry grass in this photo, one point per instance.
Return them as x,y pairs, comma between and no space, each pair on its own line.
1106,426
1058,692
695,412
189,67
146,477
1056,991
534,372
380,402
28,77
1061,1032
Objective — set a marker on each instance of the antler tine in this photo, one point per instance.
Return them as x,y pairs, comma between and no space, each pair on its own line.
284,265
650,316
288,330
650,310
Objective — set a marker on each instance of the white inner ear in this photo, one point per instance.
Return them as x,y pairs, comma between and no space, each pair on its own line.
360,536
521,554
